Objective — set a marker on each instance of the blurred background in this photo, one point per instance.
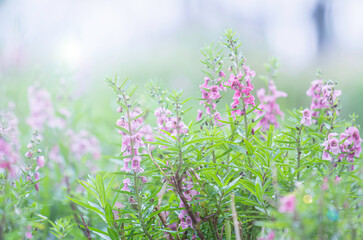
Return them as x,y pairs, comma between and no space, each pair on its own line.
79,43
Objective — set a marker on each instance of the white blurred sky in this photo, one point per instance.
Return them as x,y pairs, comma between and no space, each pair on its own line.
80,34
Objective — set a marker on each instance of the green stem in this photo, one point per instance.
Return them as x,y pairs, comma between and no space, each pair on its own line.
178,178
299,151
136,179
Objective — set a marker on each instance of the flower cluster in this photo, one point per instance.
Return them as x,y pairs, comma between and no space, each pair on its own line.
9,125
175,126
131,139
270,109
42,112
211,95
36,160
83,143
169,123
347,146
188,193
8,157
242,86
9,142
324,96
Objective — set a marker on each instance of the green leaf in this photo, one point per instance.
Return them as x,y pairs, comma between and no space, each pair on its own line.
112,233
108,213
85,205
228,229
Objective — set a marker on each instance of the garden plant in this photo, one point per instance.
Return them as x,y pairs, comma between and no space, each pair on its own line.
240,168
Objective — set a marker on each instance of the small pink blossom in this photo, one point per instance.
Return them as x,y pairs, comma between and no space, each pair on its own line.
270,236
8,157
126,183
36,178
200,114
28,235
270,109
287,204
29,154
324,97
40,161
143,179
306,119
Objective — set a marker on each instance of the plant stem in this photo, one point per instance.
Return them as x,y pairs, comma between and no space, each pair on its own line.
299,151
136,178
179,178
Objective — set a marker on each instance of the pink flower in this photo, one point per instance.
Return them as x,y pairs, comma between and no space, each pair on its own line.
210,95
306,119
353,135
126,184
324,97
135,164
270,109
8,157
54,154
200,114
334,146
83,143
326,156
143,179
42,112
9,126
250,100
126,165
122,123
270,236
40,161
217,118
29,154
36,178
28,235
287,204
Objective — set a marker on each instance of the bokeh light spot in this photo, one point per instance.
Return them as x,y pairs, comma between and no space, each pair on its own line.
308,199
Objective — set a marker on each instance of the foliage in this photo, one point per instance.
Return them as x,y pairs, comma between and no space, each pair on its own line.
232,173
